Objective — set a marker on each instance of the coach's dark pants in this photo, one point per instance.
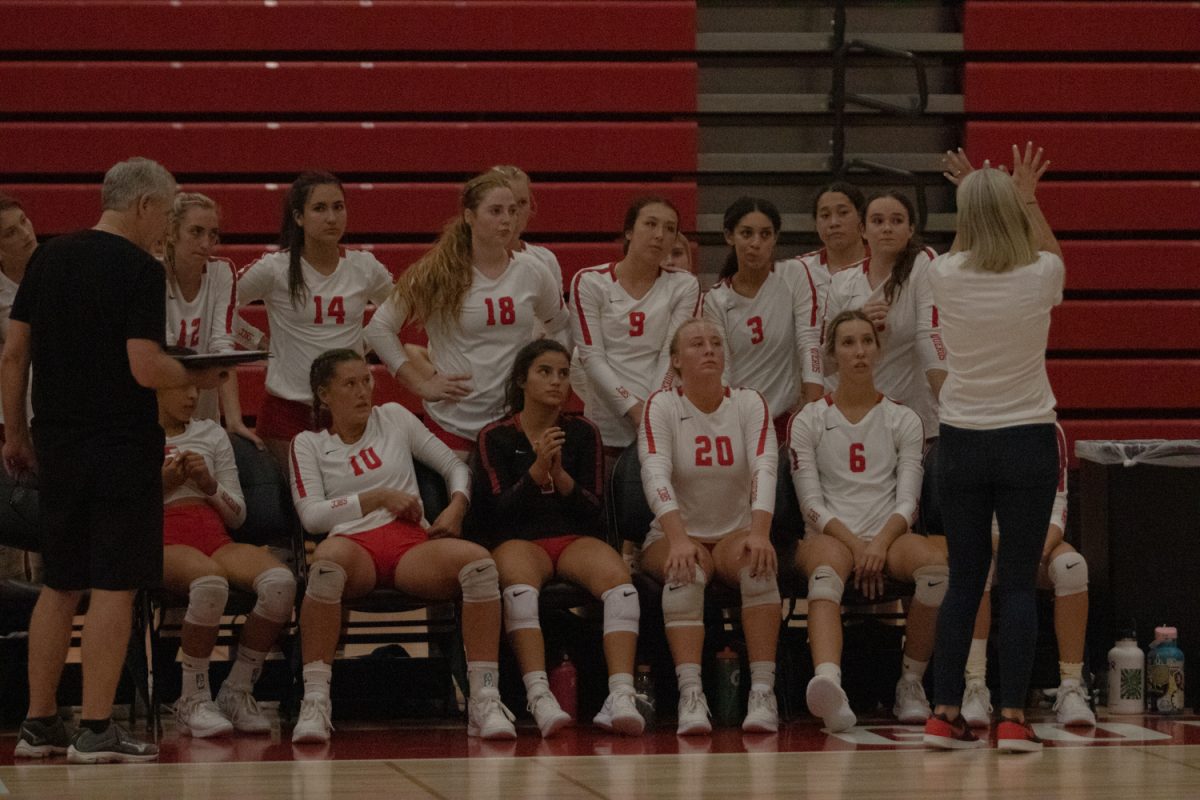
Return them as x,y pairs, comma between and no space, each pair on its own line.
1012,473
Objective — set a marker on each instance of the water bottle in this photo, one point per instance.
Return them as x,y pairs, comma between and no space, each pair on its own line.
1164,685
726,706
643,694
564,685
1126,676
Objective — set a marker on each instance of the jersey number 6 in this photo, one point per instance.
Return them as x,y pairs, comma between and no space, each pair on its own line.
858,462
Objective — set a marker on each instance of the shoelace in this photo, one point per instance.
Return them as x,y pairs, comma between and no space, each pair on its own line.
536,700
978,693
694,702
485,708
315,711
246,703
1063,694
911,690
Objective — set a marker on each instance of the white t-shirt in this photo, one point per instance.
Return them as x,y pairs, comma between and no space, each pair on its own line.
995,327
624,343
206,323
207,439
330,317
8,292
328,475
859,473
714,469
497,319
772,342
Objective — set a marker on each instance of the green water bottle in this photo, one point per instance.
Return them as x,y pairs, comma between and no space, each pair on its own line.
727,699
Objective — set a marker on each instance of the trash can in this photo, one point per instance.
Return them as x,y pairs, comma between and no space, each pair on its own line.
1140,533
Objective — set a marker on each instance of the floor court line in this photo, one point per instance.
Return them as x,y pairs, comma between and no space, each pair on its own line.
428,790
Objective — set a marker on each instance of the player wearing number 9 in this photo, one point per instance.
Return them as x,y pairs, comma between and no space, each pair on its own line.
856,465
708,459
315,292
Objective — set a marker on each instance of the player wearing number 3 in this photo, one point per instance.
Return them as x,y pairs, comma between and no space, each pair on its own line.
856,465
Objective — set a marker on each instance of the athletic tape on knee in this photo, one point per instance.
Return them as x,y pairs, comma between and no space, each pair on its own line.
326,582
206,600
683,603
276,589
932,582
621,609
480,581
1069,574
824,584
757,591
521,608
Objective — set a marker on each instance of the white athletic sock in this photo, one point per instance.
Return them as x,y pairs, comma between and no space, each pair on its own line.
484,677
536,683
317,675
762,676
977,660
688,677
829,670
195,675
620,682
914,670
1070,672
246,669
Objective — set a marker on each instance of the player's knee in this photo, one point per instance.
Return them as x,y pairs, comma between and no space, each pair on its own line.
206,601
825,584
480,581
1069,574
683,603
276,590
758,591
931,584
622,612
326,582
521,608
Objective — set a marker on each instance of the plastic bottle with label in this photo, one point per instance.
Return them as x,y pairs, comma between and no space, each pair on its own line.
1126,676
1164,673
726,705
564,685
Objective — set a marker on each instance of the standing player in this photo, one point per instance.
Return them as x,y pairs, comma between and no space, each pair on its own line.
623,317
838,213
202,498
356,482
316,292
479,302
766,313
708,461
856,464
17,243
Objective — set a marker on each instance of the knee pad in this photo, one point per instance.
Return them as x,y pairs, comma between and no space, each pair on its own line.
621,609
824,584
521,608
276,589
683,603
1069,574
757,591
326,582
206,600
480,581
932,582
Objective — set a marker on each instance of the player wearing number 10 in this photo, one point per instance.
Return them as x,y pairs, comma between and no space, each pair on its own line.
316,292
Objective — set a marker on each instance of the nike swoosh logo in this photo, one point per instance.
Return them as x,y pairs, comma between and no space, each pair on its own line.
674,587
1073,566
518,594
521,452
327,452
481,569
820,577
830,427
629,594
684,419
324,571
939,583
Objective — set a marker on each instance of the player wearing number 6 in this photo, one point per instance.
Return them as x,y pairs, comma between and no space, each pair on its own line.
856,465
316,292
708,459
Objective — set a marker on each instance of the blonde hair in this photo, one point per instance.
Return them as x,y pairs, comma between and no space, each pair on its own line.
848,315
992,227
183,203
434,288
677,338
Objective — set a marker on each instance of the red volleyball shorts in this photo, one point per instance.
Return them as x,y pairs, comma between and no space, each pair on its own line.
386,545
195,526
555,545
282,419
451,440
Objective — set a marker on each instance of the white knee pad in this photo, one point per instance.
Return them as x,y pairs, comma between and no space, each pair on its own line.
1069,574
621,609
758,591
206,600
326,582
480,581
932,582
276,589
521,608
683,603
824,584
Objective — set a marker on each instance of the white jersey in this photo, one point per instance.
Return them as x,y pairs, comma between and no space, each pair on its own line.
772,342
1058,514
624,343
497,319
8,292
328,475
205,324
860,473
817,263
550,261
911,341
331,315
207,439
714,469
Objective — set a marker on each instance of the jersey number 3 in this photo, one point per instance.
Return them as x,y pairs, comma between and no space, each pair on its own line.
756,329
704,451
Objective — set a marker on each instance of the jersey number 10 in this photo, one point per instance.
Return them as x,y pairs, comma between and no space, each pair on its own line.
369,459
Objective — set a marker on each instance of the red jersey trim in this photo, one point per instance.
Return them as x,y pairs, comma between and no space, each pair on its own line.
583,323
650,448
300,490
762,436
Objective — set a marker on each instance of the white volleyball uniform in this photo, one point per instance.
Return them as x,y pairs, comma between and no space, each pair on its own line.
328,475
911,340
331,315
497,319
714,469
209,440
817,262
550,261
205,324
860,474
624,343
772,342
8,292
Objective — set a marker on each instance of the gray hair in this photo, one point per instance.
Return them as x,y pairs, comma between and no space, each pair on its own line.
138,177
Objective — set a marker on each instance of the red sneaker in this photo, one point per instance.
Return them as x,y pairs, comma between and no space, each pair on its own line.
1015,736
942,734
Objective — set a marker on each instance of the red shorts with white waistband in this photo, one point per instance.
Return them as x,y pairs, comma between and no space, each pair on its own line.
282,419
386,545
195,526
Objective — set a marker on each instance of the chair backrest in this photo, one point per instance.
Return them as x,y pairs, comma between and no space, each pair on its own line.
270,515
432,488
787,524
628,512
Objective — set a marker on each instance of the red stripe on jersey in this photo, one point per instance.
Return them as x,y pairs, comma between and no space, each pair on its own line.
1062,457
583,324
866,265
829,399
484,461
934,318
929,251
812,287
232,309
762,436
791,450
646,424
296,469
727,392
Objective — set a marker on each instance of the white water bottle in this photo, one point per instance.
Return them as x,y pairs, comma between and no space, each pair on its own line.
1126,676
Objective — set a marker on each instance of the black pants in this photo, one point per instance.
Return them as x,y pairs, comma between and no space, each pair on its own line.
1013,474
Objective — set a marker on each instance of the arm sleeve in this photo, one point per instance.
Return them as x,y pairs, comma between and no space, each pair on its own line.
834,303
686,305
656,443
931,353
382,333
587,470
713,311
548,303
318,513
228,501
246,334
588,301
762,452
147,316
806,477
224,307
501,477
432,452
910,442
255,281
806,319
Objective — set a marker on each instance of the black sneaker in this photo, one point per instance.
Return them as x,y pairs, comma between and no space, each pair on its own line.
36,739
114,745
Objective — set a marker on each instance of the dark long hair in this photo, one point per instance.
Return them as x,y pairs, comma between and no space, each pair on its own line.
908,256
321,373
514,390
852,192
635,208
733,215
291,235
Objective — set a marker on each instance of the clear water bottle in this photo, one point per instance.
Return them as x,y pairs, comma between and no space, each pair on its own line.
643,694
1126,676
1164,673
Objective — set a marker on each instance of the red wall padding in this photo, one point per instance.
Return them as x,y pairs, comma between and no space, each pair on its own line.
1028,26
1037,88
1090,147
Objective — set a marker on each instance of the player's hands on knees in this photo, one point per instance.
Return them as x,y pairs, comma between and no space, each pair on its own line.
444,387
682,559
869,562
238,428
760,555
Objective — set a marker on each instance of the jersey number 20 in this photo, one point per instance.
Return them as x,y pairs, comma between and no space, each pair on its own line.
704,451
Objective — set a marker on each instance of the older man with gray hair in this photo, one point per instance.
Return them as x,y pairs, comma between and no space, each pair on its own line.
90,317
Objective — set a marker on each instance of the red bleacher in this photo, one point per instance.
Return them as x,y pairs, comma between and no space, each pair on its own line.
1055,26
1125,325
1090,147
1132,264
1079,88
1112,206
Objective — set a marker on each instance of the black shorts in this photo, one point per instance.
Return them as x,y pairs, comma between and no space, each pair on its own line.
101,515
